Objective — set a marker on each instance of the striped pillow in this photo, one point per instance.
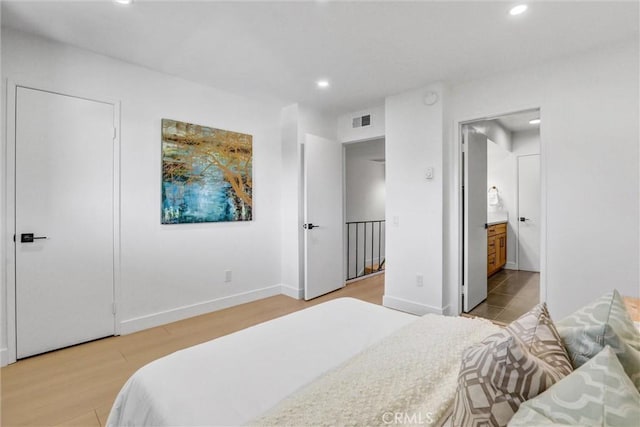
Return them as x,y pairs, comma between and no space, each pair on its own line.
604,322
508,368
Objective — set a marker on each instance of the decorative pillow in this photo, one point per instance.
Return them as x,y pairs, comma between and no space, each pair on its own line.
599,393
508,368
604,322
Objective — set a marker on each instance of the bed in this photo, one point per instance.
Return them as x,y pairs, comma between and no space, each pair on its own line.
253,376
348,362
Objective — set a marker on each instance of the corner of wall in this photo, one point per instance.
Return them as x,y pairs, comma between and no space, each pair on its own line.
415,141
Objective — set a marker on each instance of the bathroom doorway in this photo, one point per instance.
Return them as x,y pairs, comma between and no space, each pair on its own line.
501,224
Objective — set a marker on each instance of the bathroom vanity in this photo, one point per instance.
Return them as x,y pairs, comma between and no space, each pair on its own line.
496,247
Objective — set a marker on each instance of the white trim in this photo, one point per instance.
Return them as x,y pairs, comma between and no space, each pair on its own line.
10,182
10,303
4,356
446,311
179,313
411,306
117,278
292,292
511,266
457,205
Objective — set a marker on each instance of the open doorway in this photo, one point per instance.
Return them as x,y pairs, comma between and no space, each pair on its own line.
364,209
501,215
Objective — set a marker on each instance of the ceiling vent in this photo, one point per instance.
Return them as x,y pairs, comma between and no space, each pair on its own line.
363,121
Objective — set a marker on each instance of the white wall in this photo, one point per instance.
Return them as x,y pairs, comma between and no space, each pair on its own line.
495,132
169,271
291,267
347,133
296,122
502,171
589,152
414,142
3,231
365,186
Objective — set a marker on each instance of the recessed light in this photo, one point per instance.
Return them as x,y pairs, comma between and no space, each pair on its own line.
534,121
519,9
322,84
127,2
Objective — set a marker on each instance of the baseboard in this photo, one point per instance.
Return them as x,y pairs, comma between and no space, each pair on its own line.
410,306
446,310
4,356
292,292
511,266
156,319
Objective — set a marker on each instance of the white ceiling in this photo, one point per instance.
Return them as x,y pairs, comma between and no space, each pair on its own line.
519,121
277,50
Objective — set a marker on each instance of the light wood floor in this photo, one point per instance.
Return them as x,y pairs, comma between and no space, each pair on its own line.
77,385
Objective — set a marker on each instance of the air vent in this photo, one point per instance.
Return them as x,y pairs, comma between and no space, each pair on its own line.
359,122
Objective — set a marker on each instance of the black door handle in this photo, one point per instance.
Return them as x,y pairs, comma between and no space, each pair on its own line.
29,238
523,219
309,226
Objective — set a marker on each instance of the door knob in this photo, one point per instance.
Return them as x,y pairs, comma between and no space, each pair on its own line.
309,226
29,238
523,219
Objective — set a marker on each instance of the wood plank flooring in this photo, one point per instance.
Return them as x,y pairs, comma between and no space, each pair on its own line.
76,386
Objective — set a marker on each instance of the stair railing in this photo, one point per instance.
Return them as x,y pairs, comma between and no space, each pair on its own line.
365,248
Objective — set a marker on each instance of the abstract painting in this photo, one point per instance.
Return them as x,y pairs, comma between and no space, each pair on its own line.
206,174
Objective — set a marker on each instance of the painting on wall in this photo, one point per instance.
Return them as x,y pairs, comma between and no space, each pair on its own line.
206,174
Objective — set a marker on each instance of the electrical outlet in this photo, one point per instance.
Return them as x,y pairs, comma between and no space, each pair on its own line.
419,280
227,276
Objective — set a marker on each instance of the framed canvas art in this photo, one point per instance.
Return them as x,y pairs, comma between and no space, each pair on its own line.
206,174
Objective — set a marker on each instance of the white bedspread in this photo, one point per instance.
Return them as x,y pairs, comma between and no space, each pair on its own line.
233,379
408,378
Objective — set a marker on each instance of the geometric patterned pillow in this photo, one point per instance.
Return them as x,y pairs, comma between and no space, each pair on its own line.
599,393
537,333
604,322
508,368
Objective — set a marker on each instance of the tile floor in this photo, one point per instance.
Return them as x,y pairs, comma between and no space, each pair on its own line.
511,293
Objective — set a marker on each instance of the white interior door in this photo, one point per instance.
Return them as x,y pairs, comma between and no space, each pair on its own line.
323,217
529,212
64,197
475,218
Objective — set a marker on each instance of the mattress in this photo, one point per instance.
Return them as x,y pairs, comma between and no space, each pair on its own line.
231,380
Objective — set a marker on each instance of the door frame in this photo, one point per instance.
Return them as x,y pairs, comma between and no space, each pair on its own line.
344,205
9,355
457,174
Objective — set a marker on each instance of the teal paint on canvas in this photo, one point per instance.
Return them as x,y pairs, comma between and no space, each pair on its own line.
206,174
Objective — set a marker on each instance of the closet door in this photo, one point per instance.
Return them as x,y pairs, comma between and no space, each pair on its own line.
64,220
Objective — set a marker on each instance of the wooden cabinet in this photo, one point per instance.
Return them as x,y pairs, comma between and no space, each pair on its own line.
496,247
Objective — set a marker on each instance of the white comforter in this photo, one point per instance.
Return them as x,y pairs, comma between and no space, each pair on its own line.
233,379
408,378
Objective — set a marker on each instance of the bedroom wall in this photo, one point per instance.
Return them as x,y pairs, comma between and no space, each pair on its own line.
414,205
169,271
589,146
297,121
